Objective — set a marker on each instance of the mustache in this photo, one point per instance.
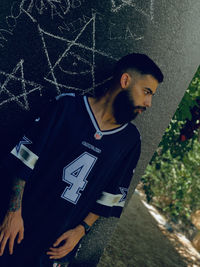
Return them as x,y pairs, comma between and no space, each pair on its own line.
140,107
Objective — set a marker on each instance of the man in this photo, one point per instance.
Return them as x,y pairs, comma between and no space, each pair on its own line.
77,162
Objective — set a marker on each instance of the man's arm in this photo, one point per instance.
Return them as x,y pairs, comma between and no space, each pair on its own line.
12,224
70,238
91,219
16,195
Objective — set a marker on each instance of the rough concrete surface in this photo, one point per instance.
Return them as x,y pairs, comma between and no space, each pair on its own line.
139,242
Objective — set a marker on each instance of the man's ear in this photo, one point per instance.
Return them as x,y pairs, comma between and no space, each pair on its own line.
125,80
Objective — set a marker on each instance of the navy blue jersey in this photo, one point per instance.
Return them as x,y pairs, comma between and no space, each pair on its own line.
72,167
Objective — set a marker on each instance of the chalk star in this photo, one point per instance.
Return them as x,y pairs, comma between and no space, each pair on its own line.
25,141
13,77
124,192
71,44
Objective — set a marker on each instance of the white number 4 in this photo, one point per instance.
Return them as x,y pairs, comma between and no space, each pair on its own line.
75,173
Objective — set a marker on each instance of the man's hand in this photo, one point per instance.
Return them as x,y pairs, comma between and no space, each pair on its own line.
70,238
12,225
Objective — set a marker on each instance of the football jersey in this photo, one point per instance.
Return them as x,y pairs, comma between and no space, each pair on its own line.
72,168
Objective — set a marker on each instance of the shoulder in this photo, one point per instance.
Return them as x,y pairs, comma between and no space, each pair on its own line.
66,100
133,132
135,143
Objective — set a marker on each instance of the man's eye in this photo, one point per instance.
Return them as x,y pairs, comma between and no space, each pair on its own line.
146,92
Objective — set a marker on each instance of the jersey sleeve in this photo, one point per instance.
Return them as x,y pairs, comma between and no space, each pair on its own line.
112,199
22,159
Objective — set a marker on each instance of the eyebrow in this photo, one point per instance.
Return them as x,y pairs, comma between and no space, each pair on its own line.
150,91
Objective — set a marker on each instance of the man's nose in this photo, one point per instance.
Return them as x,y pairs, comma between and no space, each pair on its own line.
148,101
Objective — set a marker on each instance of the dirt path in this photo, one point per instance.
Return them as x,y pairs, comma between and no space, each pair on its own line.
139,242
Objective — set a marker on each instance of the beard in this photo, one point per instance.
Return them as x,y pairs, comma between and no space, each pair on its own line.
124,108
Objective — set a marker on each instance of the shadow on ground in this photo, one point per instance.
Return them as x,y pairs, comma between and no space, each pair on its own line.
138,242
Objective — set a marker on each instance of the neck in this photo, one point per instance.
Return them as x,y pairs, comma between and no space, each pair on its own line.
103,111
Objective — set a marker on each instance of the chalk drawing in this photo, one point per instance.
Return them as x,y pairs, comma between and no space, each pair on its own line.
93,47
23,2
40,6
54,10
57,7
28,8
89,89
65,27
96,85
74,25
116,7
76,58
123,34
26,87
29,15
15,10
129,34
2,36
76,3
48,59
64,86
55,68
67,52
51,76
152,10
11,21
14,15
65,7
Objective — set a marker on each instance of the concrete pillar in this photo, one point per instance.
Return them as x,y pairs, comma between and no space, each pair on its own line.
49,47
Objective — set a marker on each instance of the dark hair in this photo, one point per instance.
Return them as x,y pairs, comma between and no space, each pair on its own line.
138,62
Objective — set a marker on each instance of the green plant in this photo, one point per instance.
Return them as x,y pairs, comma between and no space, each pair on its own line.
172,179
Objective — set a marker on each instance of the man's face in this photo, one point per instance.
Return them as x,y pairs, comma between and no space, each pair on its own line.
135,96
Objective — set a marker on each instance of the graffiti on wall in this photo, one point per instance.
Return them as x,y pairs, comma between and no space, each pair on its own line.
73,47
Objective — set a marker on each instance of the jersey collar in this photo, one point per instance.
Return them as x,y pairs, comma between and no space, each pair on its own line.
95,124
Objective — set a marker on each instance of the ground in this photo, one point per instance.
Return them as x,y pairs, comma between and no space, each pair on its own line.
139,242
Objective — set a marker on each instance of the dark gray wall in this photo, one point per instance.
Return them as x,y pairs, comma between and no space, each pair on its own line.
48,47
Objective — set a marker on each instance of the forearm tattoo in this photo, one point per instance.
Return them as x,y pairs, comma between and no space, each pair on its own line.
16,195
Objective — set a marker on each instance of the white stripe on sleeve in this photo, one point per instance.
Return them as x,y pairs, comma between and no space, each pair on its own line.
111,200
26,156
